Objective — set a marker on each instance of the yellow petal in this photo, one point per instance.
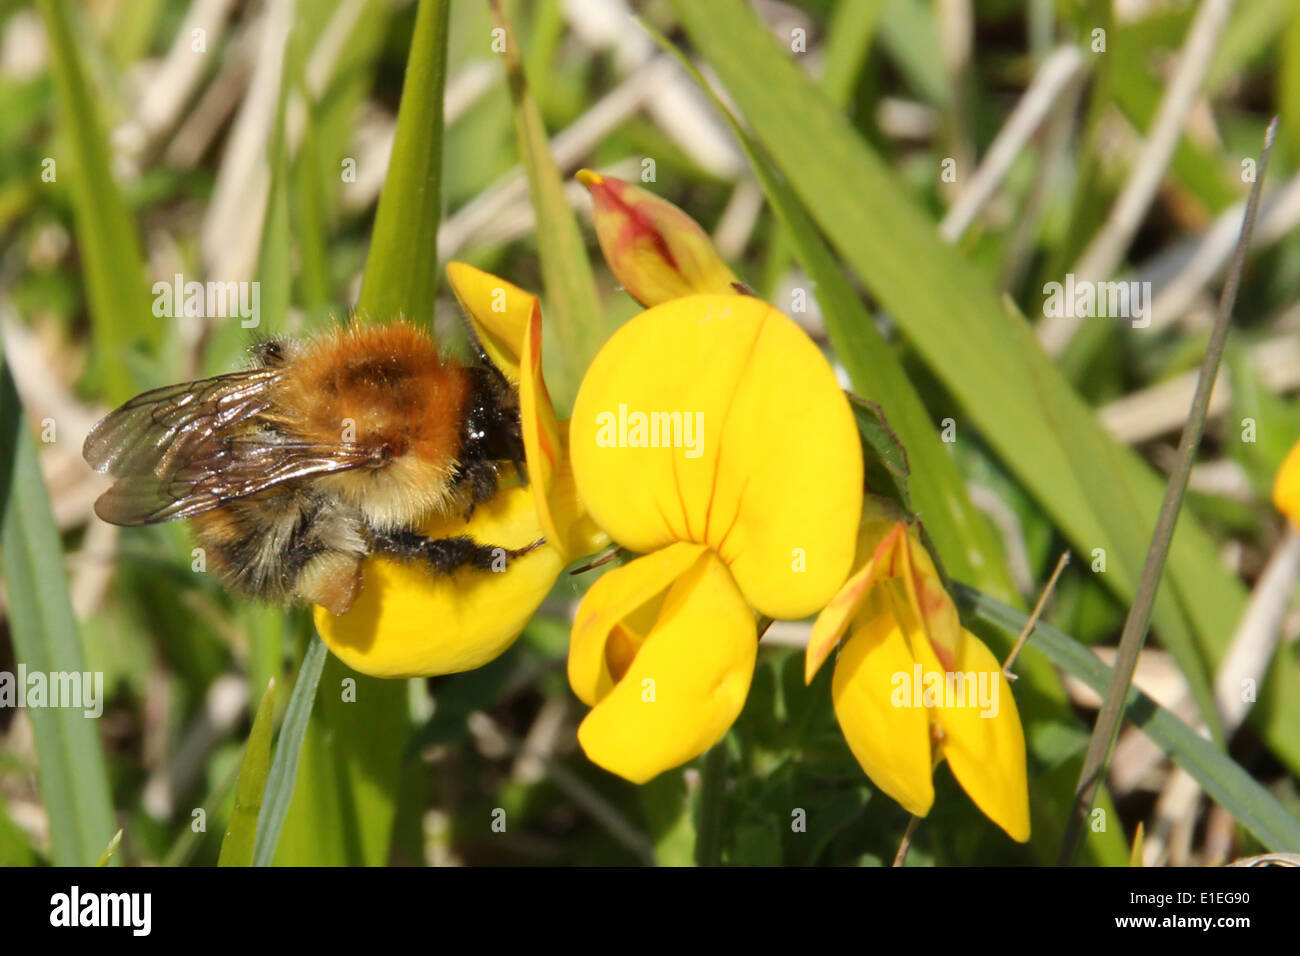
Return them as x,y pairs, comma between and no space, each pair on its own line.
538,425
982,740
928,598
563,519
654,249
758,455
614,598
687,683
1286,487
500,313
575,531
409,622
836,617
888,735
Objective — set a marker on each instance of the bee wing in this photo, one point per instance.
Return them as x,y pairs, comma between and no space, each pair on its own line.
152,429
185,449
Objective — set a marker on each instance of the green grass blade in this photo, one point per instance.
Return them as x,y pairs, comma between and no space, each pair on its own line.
573,307
241,833
281,777
119,302
909,32
402,269
107,856
345,798
1225,781
849,33
70,762
1100,495
1136,624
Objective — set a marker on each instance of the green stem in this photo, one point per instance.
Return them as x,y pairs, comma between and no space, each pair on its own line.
708,836
1135,626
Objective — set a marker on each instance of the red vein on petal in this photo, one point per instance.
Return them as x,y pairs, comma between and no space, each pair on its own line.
726,415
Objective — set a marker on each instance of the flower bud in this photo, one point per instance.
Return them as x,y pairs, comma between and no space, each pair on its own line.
654,249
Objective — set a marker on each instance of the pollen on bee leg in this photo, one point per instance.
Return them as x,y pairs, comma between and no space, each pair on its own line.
332,580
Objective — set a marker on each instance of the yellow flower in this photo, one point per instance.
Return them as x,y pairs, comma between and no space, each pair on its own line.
1286,487
657,251
710,435
409,622
912,687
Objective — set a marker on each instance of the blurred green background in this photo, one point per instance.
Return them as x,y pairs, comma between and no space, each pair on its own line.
236,141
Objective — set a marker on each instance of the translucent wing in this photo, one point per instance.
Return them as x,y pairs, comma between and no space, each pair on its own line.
185,449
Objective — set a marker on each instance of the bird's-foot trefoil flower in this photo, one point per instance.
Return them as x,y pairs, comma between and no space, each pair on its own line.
1286,486
710,436
656,251
408,622
912,687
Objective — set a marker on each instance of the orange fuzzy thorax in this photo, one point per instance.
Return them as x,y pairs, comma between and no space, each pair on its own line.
381,386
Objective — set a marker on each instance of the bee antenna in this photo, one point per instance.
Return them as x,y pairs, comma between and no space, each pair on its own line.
476,343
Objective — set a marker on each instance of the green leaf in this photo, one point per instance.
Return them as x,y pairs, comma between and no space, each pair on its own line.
109,850
1226,782
15,849
884,457
106,236
573,308
1274,423
281,777
348,784
909,31
848,39
1288,83
1100,495
402,271
69,759
241,832
667,804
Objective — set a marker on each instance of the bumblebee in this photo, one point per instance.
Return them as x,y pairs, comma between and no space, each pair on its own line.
325,451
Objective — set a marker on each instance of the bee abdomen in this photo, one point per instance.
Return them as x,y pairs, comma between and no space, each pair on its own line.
284,546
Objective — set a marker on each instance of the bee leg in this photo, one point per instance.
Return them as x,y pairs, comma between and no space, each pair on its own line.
446,555
480,476
331,579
